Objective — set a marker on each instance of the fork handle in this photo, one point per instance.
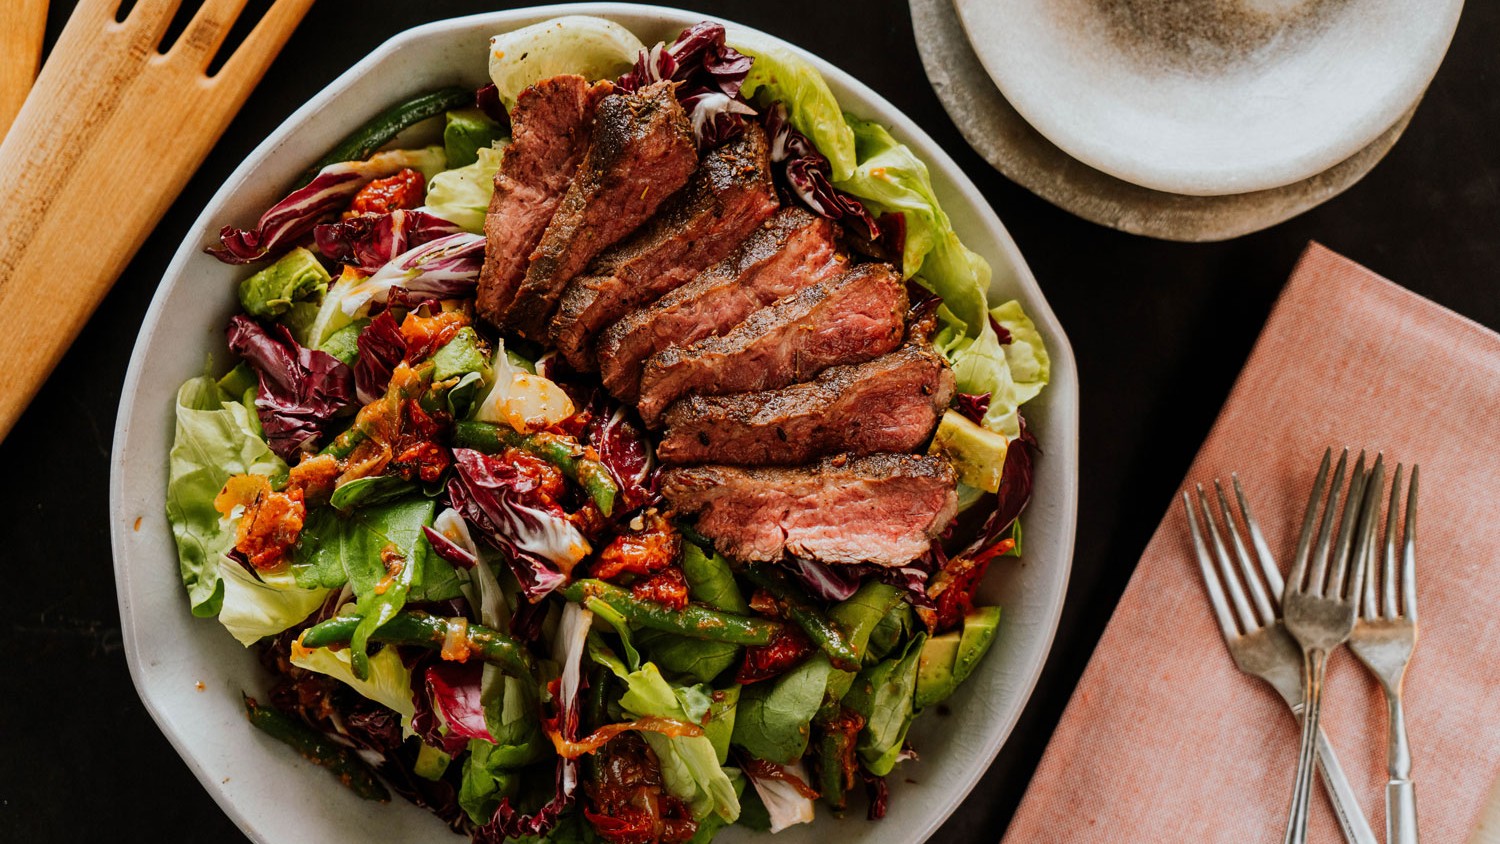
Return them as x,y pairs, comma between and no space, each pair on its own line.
1314,667
1346,807
1400,794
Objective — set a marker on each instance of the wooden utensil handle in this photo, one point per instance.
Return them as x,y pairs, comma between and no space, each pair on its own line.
23,23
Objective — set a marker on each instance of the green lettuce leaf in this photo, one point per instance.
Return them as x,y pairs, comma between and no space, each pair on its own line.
486,779
462,195
296,277
1030,367
884,695
771,721
689,764
388,681
215,438
713,824
254,609
779,73
466,131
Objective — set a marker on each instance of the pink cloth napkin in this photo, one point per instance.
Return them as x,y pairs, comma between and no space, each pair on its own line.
1164,739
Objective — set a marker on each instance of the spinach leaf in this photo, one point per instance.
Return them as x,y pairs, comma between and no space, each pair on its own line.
883,694
346,549
771,721
711,582
215,439
485,781
367,492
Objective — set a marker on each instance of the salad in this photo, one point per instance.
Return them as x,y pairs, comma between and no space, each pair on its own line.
485,576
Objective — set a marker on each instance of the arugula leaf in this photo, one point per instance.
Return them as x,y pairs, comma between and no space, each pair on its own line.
711,581
884,695
720,726
215,438
771,721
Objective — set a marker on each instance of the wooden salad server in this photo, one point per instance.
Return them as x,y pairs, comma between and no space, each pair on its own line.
111,133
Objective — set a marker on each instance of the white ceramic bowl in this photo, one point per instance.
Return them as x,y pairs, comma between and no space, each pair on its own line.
1211,97
270,792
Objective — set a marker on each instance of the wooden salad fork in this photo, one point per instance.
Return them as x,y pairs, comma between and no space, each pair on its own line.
110,134
1254,633
23,23
1319,600
1384,637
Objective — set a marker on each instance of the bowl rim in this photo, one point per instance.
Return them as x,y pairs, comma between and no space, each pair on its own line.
1062,415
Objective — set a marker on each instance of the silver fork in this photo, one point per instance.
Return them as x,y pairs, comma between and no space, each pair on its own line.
1255,635
1384,637
1318,609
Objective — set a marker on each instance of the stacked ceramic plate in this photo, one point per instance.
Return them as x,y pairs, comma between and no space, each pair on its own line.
1197,120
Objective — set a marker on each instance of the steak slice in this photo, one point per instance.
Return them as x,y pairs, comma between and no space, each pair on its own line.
550,128
883,508
641,152
850,318
793,250
729,195
891,403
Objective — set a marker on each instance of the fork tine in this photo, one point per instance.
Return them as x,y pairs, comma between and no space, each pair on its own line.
1258,542
1368,603
208,29
152,15
1388,552
1409,550
1317,574
1252,580
1364,535
254,55
1309,521
1226,568
1210,580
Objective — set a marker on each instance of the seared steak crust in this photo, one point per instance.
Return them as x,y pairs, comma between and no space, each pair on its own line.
727,197
550,128
883,508
889,404
641,152
854,317
792,250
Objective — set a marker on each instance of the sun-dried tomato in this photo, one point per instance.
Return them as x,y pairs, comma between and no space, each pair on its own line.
314,475
640,552
406,189
952,589
424,461
590,521
629,804
548,478
667,587
426,334
271,522
786,649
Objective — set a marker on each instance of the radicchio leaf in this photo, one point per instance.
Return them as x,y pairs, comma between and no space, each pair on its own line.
505,507
300,211
1015,492
810,176
451,552
830,583
879,794
508,822
445,268
623,449
487,100
710,73
369,241
448,709
301,390
972,406
381,349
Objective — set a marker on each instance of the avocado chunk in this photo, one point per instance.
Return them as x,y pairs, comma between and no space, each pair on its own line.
344,343
466,130
296,277
978,454
459,356
949,659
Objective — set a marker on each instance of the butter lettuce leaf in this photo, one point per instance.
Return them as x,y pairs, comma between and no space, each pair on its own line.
254,609
462,195
780,74
388,682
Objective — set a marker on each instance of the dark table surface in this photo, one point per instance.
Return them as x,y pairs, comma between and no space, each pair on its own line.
1160,331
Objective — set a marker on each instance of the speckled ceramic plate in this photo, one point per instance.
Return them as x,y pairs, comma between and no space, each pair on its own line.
190,672
1213,97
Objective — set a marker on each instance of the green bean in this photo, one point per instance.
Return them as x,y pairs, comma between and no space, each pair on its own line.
319,749
824,632
561,451
364,141
428,631
833,751
694,621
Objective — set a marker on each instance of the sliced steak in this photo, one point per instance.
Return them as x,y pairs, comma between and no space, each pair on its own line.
850,318
640,153
792,250
882,508
891,403
729,195
550,128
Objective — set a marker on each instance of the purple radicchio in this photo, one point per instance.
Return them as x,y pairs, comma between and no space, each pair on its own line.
973,406
810,176
369,241
830,583
297,214
508,822
1015,492
710,72
505,507
445,268
381,349
448,711
451,552
617,435
301,390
